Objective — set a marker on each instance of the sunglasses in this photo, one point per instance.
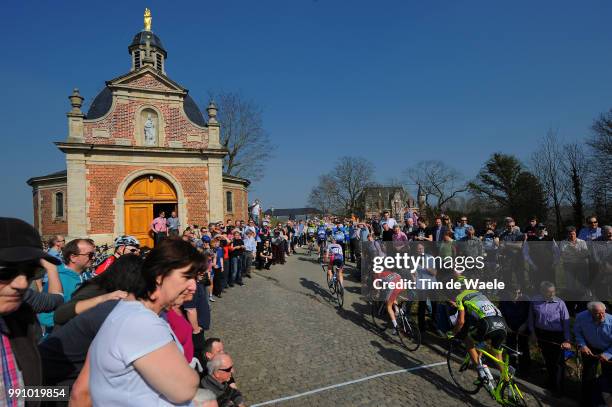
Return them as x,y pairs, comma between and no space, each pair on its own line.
228,369
133,250
91,255
593,223
9,271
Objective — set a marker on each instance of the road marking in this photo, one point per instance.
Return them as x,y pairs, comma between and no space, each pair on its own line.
334,386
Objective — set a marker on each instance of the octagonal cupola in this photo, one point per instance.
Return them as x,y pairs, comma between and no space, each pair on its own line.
147,49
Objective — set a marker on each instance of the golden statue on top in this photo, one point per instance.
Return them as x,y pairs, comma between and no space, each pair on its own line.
147,19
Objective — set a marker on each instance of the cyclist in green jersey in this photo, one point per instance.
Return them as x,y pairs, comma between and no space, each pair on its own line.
478,320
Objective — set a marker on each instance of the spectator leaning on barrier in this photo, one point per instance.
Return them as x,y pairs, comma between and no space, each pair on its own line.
20,255
593,330
549,325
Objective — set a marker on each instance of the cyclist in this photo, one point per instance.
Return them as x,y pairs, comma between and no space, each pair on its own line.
478,320
338,237
335,255
123,245
310,231
321,236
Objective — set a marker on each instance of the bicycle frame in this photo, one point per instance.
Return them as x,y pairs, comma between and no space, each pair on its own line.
506,373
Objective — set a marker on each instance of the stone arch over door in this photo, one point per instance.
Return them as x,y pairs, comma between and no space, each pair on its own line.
137,176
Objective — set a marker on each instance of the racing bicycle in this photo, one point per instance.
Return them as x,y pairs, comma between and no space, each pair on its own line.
334,284
408,331
504,391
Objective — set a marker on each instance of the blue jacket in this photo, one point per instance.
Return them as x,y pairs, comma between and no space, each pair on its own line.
71,280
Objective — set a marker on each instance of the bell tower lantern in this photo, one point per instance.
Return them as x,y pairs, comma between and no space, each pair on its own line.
147,49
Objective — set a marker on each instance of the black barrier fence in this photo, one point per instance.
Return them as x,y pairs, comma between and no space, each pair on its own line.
420,270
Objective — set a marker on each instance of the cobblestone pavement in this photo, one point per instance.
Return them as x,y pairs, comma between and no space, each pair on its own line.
287,337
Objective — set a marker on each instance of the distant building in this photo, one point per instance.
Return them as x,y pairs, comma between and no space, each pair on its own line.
374,200
142,147
293,213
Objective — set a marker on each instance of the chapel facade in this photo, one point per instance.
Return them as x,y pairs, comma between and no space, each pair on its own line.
143,146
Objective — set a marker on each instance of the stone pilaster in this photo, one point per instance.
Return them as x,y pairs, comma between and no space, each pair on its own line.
215,189
77,195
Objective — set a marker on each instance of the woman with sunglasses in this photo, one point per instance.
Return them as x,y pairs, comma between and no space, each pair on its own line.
135,359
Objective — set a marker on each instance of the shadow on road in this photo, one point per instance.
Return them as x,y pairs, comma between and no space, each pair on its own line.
317,290
403,361
313,259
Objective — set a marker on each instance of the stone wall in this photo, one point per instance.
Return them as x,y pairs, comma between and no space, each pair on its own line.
240,205
103,182
44,218
119,126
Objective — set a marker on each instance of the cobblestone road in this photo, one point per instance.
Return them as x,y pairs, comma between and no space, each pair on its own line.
287,337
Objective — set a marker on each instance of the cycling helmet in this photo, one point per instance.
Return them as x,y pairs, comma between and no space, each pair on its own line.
126,241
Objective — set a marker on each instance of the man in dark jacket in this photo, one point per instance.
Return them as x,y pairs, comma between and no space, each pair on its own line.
20,254
217,380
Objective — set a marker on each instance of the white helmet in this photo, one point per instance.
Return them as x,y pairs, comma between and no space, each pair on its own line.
126,240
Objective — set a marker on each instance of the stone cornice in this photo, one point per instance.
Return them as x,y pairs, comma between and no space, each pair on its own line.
90,149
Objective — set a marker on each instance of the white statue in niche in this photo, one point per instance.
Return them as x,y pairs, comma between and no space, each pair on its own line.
150,138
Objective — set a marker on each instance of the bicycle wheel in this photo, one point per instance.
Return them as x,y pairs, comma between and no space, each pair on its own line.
379,314
409,334
512,396
339,293
331,282
461,368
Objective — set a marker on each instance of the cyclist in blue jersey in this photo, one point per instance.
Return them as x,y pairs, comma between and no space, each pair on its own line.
338,237
335,255
321,238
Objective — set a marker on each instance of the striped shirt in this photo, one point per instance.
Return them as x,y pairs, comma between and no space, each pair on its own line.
11,377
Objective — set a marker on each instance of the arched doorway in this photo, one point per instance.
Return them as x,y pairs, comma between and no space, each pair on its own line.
144,198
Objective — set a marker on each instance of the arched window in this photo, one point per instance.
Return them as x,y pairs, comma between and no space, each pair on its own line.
59,205
229,204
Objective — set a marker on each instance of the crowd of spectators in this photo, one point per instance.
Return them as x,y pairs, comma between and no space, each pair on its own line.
533,263
104,331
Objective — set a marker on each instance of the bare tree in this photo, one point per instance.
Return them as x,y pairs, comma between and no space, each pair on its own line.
600,155
352,175
575,171
436,179
339,190
243,135
323,196
547,166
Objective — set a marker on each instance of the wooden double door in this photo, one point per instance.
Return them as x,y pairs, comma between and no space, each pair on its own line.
143,199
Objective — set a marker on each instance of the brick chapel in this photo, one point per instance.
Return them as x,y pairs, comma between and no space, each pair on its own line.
143,146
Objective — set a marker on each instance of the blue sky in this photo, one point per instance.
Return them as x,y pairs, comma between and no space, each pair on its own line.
393,81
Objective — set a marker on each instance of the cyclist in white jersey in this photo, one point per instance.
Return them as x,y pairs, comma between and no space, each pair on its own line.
335,255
